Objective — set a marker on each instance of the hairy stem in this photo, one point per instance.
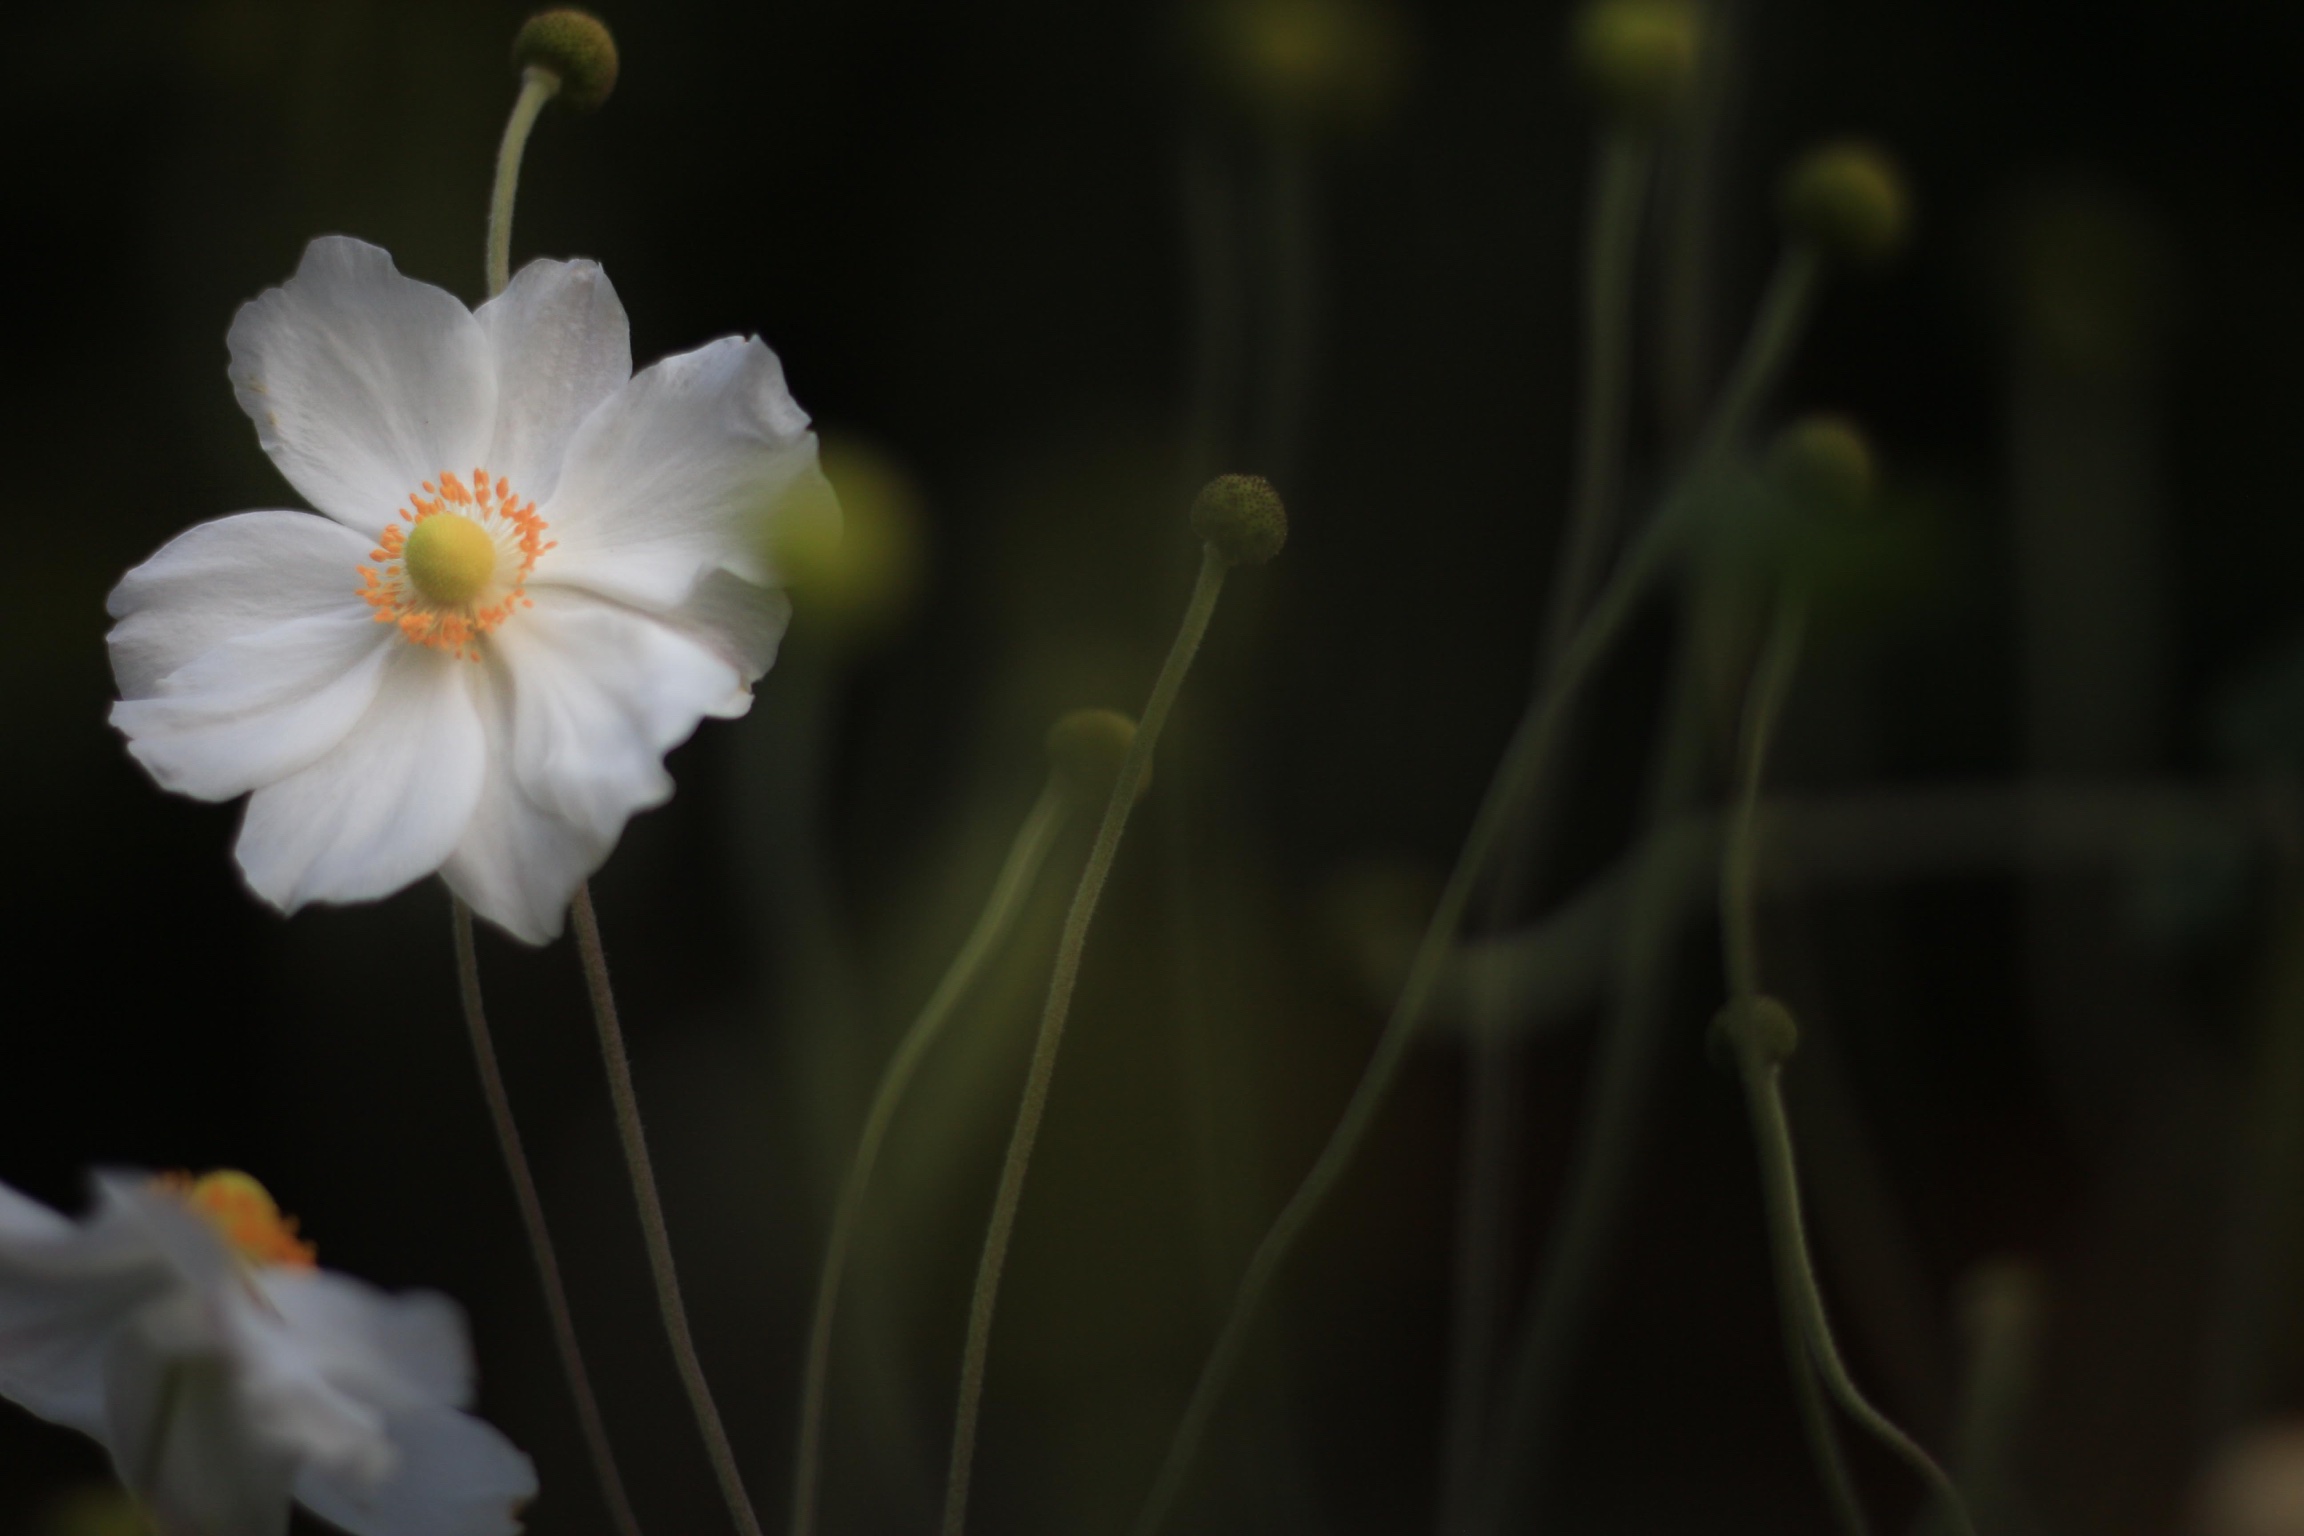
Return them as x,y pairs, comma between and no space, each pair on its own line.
537,86
659,1239
532,1222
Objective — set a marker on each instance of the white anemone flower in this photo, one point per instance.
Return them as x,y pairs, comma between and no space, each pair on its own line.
184,1326
534,573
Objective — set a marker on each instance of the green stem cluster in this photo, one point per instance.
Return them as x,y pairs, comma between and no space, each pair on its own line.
1062,980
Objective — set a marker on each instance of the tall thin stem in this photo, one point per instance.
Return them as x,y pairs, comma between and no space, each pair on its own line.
531,1205
1800,1297
1612,241
1515,779
1009,889
659,1240
1063,978
537,86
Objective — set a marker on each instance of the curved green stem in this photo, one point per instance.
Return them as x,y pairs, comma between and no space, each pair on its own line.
642,1171
1739,858
537,86
556,1308
1516,777
1061,982
1801,1298
1009,889
1621,178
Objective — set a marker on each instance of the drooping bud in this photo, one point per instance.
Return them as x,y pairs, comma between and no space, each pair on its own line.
1757,1030
1241,517
1085,751
1638,58
1848,200
1824,464
575,46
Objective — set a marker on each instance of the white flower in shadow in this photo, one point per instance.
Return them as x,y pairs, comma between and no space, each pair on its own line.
535,573
184,1327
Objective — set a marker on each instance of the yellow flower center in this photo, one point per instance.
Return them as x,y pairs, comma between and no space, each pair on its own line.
449,558
456,564
244,1215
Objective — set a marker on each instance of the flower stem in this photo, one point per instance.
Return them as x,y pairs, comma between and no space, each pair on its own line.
1612,241
1013,884
537,86
1061,981
651,1204
1809,1331
1516,777
532,1219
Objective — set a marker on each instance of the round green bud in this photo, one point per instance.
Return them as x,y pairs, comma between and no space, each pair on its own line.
1759,1029
1849,200
1638,58
576,48
848,544
1241,517
1306,63
1823,462
1085,751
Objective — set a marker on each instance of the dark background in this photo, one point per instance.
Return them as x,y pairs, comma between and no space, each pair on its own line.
978,237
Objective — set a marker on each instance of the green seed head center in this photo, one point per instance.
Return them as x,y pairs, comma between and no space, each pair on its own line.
450,558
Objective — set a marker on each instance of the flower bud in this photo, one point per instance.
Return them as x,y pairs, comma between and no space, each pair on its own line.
1823,463
1638,58
1848,200
1085,751
576,48
1241,517
848,545
1758,1029
1305,62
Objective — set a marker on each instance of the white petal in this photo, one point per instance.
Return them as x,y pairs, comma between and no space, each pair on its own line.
519,864
740,623
182,1444
294,1405
386,806
599,694
259,708
223,580
561,345
66,1290
455,1476
362,383
399,1352
670,477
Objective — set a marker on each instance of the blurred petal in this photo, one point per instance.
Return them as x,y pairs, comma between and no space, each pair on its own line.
386,806
362,383
600,693
455,1476
561,346
65,1290
668,479
400,1352
518,865
181,1443
225,580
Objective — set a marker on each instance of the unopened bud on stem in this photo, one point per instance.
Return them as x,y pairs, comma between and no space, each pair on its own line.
1638,58
1753,1030
1823,462
576,49
1241,517
1848,200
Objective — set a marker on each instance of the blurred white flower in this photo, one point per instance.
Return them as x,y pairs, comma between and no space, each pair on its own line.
535,574
184,1326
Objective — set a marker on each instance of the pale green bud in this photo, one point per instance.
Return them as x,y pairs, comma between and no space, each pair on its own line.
576,48
1241,517
1849,201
